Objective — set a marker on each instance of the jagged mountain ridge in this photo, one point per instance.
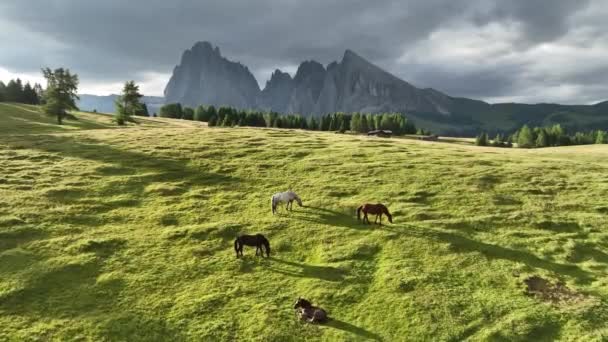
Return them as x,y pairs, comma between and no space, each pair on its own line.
354,84
204,76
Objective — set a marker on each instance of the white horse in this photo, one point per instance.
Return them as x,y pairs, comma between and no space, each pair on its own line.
284,197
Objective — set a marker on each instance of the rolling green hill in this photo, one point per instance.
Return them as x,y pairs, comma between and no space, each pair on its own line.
111,233
469,117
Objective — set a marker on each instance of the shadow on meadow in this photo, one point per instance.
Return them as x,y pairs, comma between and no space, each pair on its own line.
68,289
141,174
326,273
347,327
327,217
459,243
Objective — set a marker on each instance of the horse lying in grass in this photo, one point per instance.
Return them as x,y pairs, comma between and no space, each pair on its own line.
309,313
257,240
284,197
375,209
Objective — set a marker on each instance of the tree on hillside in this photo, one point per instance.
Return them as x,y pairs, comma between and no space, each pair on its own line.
29,95
601,137
364,124
14,91
482,139
525,138
200,114
188,113
171,110
39,93
143,111
2,92
61,92
541,140
127,104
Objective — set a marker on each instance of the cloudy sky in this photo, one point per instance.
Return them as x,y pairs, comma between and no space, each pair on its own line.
520,50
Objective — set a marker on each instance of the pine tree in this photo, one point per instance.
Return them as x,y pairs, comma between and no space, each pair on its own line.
364,124
200,114
127,104
601,137
187,113
525,138
482,139
14,91
61,92
2,92
541,140
143,111
171,110
355,123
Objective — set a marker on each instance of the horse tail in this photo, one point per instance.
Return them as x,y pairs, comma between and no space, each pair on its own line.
359,212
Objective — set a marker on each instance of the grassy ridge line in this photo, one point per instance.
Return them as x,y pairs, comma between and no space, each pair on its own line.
115,236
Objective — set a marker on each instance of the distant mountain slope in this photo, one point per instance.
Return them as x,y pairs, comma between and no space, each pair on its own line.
205,77
105,104
354,84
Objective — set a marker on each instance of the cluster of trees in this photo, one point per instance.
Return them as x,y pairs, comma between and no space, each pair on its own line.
15,91
395,122
555,135
228,116
499,141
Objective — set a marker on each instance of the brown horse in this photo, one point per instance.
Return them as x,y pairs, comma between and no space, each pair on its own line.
375,209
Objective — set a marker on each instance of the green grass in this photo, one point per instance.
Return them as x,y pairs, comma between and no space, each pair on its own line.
126,234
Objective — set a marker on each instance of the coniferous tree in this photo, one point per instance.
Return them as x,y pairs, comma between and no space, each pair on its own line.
601,137
61,92
143,111
14,91
28,95
187,113
200,114
525,137
2,91
541,140
364,124
128,104
39,93
482,139
171,110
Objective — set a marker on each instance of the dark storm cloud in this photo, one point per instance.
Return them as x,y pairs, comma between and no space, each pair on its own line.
111,41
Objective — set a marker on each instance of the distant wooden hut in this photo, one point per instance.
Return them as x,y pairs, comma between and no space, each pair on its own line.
385,133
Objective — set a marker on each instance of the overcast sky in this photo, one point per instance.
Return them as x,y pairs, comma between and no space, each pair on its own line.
498,51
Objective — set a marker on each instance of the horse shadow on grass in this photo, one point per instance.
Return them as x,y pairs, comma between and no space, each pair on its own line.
326,273
355,330
327,217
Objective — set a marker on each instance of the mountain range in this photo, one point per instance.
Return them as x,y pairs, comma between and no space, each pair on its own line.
353,84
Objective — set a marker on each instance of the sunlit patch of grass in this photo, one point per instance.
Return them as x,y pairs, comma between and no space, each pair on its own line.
127,234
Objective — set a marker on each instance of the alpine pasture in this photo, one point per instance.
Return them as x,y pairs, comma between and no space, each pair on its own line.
126,234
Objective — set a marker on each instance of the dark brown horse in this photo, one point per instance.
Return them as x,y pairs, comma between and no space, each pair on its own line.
309,313
374,209
257,240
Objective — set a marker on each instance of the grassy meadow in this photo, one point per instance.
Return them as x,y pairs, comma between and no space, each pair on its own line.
126,234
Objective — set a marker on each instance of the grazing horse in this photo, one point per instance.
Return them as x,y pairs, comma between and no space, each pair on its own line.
375,209
309,313
285,197
257,240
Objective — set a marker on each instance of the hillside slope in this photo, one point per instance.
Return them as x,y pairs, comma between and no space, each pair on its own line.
126,234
